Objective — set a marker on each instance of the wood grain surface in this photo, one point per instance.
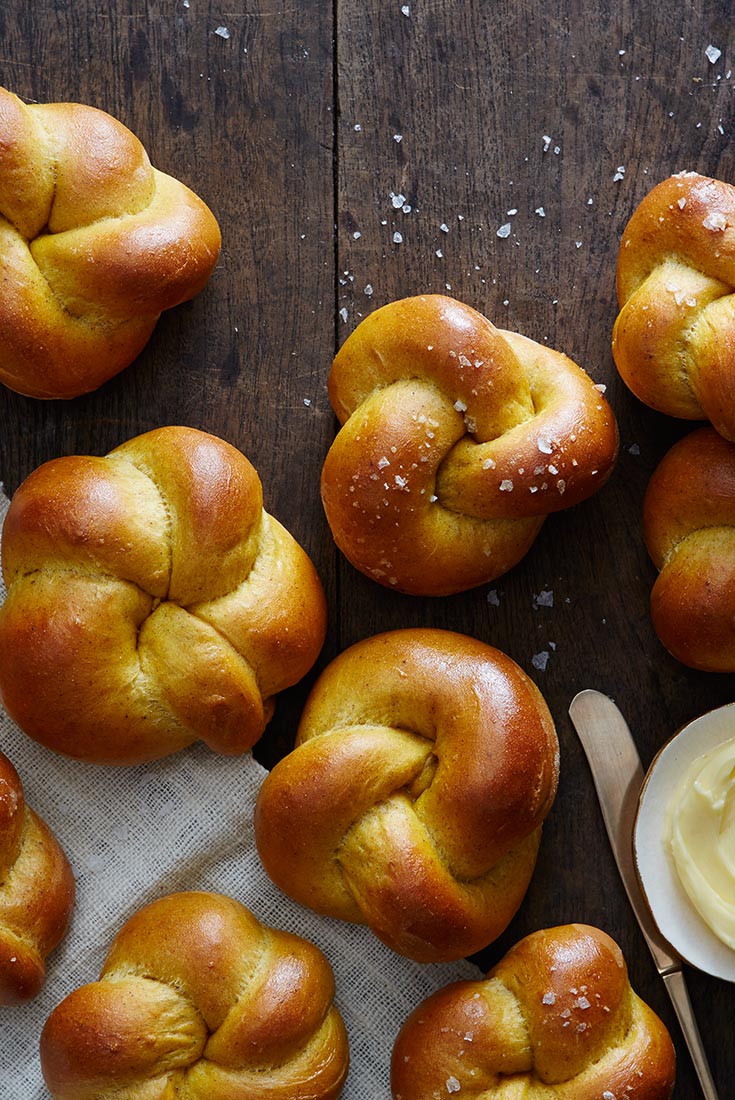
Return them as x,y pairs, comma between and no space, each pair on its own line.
299,125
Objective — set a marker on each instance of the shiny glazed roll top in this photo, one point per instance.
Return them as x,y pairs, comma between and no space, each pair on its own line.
556,1019
424,766
94,244
457,440
197,998
152,602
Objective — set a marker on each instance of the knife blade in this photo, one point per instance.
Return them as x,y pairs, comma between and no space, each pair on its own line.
618,777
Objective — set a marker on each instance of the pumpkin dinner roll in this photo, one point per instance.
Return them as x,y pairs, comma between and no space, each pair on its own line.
689,528
457,440
424,765
556,1019
94,245
36,892
152,602
674,338
197,998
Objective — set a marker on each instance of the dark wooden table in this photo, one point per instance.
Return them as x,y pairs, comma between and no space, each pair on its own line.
296,123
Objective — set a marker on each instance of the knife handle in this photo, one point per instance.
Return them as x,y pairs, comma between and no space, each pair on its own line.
677,990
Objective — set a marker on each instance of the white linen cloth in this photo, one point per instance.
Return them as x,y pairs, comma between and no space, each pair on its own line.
185,823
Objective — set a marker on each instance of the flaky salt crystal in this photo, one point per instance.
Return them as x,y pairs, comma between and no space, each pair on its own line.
540,660
713,54
492,598
715,221
453,1084
506,485
397,238
223,32
383,462
488,464
548,999
544,445
504,230
460,406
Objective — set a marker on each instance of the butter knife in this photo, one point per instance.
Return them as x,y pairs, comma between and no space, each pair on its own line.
618,777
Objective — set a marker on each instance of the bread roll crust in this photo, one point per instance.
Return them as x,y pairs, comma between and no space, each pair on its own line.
557,1014
424,766
36,892
674,338
689,528
197,996
151,601
94,245
458,439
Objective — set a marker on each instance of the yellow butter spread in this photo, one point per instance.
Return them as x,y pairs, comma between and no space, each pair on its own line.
702,834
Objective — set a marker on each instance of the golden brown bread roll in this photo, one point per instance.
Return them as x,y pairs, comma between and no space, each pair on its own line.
457,441
556,1019
689,528
94,245
674,339
151,601
196,998
36,892
424,765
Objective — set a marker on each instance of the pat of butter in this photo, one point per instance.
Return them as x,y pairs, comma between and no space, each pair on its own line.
701,823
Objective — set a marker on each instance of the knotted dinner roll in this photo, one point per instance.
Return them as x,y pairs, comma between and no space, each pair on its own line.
94,244
689,528
424,765
198,999
457,441
674,339
556,1019
151,602
36,892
